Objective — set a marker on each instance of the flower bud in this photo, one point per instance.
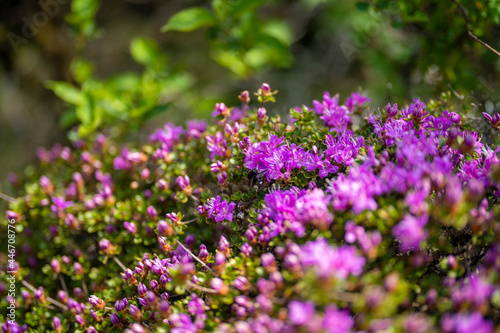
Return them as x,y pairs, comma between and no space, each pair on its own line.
134,312
261,115
78,268
57,324
268,262
219,285
392,111
265,88
165,228
162,185
203,254
63,296
152,214
247,250
115,319
224,246
141,289
96,302
56,266
121,305
244,96
79,319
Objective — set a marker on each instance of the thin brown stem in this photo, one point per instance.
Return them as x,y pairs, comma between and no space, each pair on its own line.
200,288
119,263
85,289
192,255
190,221
50,299
7,197
483,43
466,16
63,284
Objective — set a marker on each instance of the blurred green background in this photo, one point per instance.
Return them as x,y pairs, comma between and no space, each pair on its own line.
120,66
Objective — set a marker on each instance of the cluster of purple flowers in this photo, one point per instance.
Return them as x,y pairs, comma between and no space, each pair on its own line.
277,159
217,209
410,189
335,116
328,261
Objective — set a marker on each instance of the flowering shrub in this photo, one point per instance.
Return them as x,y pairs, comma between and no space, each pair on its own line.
255,223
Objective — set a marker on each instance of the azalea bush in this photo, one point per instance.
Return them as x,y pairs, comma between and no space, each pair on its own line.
336,217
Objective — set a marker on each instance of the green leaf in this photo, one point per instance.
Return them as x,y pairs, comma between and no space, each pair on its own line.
65,91
190,19
363,6
280,30
145,51
81,70
69,118
84,8
84,112
159,109
240,7
232,61
417,17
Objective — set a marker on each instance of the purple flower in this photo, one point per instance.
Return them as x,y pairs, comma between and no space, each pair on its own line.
219,285
134,311
216,145
60,205
96,302
121,162
337,321
168,136
466,323
494,120
312,208
333,115
79,319
195,128
152,213
416,111
416,323
244,96
246,249
183,182
330,261
274,158
104,244
356,101
121,305
268,261
45,183
241,283
57,323
196,306
261,115
410,232
475,291
141,289
220,110
151,298
218,209
56,266
358,189
130,227
115,319
366,241
392,111
203,254
300,313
